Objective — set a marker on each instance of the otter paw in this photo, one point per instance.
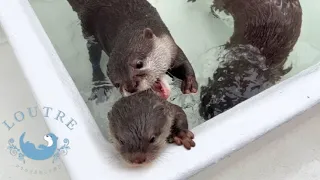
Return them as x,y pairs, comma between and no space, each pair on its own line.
189,85
100,91
213,11
183,137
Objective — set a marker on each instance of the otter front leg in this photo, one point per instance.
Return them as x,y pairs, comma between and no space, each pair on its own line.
180,134
183,70
219,5
101,85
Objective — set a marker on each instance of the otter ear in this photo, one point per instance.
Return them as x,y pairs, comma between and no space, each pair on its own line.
147,32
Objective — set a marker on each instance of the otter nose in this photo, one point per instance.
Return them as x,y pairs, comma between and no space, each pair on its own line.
132,87
139,160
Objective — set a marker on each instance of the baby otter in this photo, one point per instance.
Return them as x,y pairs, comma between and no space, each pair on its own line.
265,32
140,47
141,124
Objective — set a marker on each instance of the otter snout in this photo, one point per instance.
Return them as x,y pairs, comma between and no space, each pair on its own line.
135,84
138,158
129,87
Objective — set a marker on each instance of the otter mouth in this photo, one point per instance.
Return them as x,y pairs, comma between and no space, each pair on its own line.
162,88
146,163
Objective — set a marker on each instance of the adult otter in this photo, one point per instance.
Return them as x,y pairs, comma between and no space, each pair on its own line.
139,45
265,32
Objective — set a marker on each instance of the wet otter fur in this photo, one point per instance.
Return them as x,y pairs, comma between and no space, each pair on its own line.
141,124
265,32
140,47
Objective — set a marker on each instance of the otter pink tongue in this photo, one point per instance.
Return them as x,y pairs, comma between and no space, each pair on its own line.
161,88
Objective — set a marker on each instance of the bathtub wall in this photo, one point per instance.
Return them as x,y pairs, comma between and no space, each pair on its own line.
16,98
3,38
289,152
60,84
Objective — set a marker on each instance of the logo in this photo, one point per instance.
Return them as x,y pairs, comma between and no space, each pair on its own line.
40,155
41,152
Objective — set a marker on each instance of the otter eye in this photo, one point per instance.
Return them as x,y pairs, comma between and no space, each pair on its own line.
152,139
139,64
121,142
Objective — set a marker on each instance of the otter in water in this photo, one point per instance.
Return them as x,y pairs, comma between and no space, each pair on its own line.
265,32
140,47
141,124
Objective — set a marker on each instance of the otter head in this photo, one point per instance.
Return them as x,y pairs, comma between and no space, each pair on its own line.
50,138
139,61
139,126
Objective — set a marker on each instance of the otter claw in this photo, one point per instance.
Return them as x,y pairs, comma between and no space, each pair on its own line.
213,11
183,137
100,91
102,84
189,85
96,92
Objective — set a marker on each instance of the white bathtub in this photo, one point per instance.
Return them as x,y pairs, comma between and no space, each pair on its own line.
16,96
288,152
91,156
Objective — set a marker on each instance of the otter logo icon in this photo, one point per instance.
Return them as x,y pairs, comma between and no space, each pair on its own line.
41,152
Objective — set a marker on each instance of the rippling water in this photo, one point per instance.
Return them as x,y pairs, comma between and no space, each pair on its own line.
193,27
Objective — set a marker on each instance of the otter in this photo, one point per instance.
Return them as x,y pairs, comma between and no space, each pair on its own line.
140,47
265,32
141,124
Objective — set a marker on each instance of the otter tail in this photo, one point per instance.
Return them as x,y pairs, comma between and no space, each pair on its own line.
77,4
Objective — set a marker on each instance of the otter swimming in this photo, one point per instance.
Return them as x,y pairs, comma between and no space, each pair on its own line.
140,47
265,32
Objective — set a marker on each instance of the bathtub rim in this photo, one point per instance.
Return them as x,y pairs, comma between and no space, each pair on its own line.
232,122
3,38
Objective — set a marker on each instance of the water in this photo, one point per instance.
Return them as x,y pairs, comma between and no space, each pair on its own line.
194,29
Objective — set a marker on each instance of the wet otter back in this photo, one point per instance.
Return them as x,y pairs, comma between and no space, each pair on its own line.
271,26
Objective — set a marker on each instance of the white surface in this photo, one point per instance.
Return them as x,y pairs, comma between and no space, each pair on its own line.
49,80
290,152
239,126
3,38
16,96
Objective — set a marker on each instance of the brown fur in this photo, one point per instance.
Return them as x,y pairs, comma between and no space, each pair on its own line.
136,119
272,26
265,32
138,43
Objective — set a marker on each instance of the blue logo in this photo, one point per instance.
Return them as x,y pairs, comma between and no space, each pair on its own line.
25,149
42,152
